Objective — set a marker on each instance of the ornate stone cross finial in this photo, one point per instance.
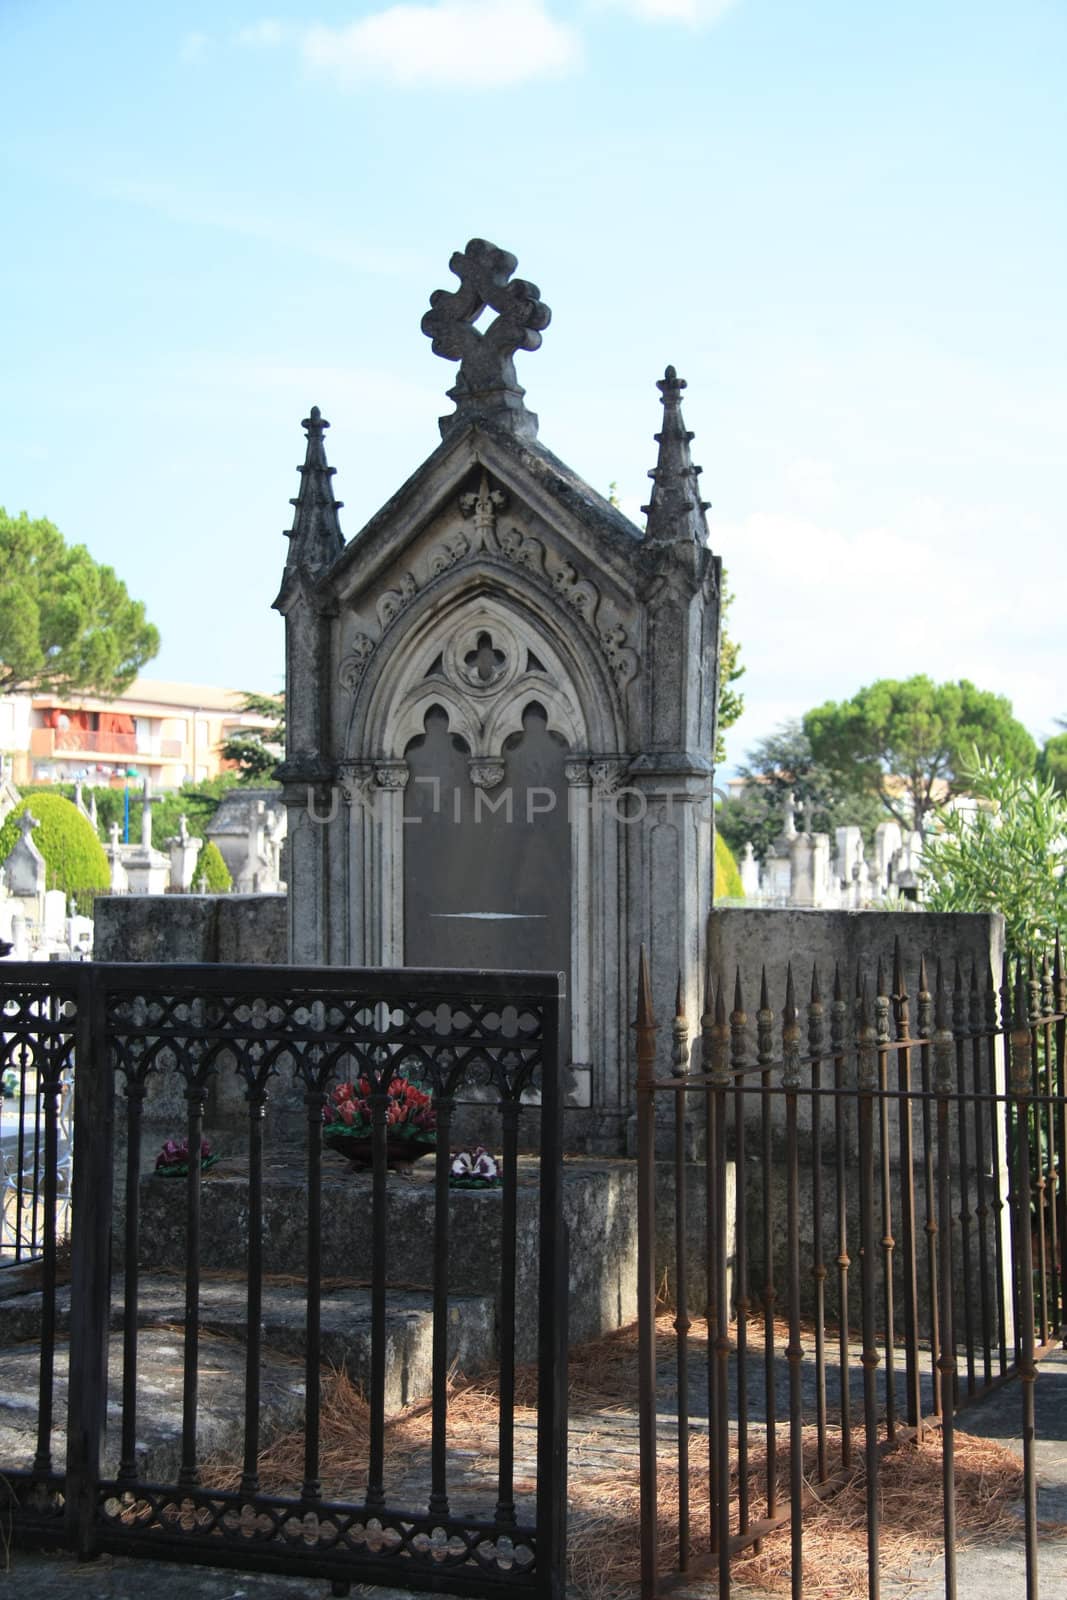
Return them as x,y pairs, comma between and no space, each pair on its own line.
486,387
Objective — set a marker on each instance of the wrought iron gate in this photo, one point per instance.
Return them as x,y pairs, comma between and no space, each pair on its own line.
903,1185
495,1035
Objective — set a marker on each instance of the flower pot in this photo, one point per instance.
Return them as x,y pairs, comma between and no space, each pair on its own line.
180,1169
359,1148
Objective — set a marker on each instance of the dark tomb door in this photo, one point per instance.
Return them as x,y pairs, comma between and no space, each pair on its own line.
487,864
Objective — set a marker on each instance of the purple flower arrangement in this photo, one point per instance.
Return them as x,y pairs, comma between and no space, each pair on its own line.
474,1169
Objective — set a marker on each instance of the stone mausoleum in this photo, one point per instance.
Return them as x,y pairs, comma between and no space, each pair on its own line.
501,706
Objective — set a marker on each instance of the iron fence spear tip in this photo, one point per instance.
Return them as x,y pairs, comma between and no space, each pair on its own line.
898,969
720,1003
678,996
880,977
790,993
709,985
645,1017
739,1004
764,994
940,997
839,993
924,981
816,995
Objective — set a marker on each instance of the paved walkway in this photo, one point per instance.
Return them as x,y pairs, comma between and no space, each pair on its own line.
603,1441
985,1571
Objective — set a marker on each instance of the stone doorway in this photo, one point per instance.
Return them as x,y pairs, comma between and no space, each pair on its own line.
487,849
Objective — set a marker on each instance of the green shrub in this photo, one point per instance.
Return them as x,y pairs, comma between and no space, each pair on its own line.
212,869
73,855
727,876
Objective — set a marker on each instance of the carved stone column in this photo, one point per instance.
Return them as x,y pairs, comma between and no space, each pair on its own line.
583,921
611,999
390,779
355,780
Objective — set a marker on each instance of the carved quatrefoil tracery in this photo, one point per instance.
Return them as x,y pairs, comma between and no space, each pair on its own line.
484,673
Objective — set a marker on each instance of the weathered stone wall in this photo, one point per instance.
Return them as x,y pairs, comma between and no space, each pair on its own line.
751,938
195,927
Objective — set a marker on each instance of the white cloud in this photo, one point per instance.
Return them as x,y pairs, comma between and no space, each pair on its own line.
697,13
823,608
454,43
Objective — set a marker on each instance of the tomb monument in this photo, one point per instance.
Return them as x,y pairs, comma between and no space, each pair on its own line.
501,699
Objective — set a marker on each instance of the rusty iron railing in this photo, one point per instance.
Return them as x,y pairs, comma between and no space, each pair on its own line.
881,1244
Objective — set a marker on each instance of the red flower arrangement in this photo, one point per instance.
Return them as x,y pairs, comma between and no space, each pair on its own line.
173,1160
409,1113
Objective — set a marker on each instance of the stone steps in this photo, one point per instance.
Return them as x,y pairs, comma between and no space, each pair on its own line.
599,1206
345,1326
159,1390
599,1201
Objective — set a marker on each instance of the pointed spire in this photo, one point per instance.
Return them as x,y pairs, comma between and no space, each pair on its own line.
644,1026
816,996
645,1017
898,970
675,511
315,538
680,1031
709,987
940,997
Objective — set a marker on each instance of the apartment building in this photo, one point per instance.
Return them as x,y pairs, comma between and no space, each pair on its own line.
170,733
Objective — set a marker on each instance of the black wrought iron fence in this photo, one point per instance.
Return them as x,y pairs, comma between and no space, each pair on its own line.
31,1071
882,1242
141,1036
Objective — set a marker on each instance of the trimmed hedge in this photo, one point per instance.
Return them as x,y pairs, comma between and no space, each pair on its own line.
727,876
212,868
73,855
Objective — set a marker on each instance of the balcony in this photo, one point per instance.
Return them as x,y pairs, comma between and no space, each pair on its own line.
50,744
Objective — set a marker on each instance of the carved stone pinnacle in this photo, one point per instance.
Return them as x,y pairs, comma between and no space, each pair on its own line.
675,510
486,387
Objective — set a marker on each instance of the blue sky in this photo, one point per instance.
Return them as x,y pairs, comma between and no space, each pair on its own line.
843,223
